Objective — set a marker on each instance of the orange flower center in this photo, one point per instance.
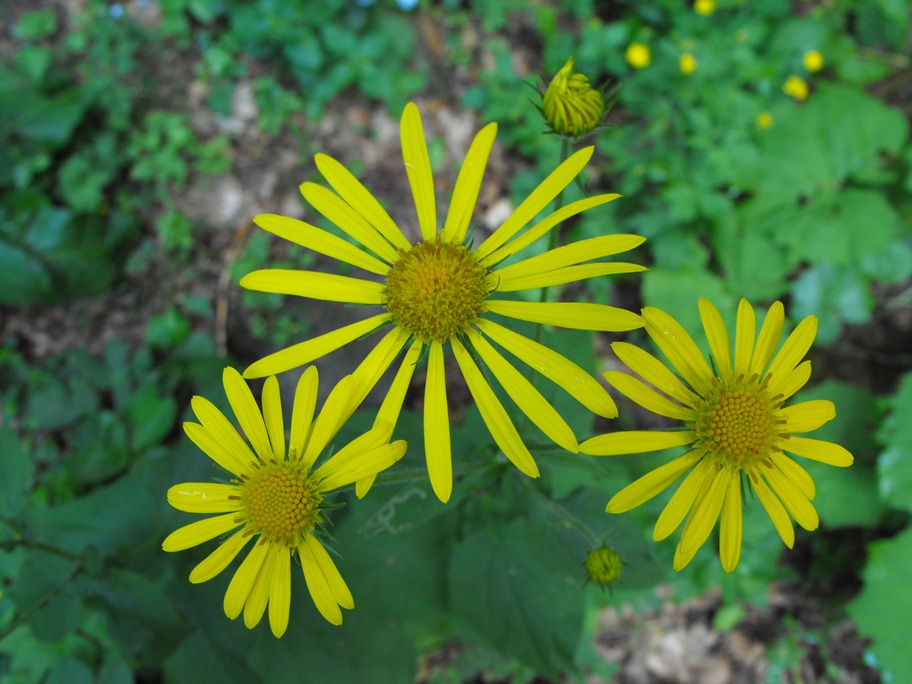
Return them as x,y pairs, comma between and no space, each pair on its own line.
281,502
436,290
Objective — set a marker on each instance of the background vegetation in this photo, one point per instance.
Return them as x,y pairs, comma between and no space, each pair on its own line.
117,120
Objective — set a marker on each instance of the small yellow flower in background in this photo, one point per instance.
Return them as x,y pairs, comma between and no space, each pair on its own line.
764,120
638,55
570,105
441,290
688,63
813,61
796,87
603,566
275,496
704,7
734,422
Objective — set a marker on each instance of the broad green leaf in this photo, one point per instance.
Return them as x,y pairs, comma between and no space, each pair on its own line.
885,604
16,473
894,465
521,592
150,417
835,295
142,620
70,670
48,585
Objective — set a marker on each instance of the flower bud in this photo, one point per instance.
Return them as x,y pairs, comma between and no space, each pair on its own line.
570,105
603,566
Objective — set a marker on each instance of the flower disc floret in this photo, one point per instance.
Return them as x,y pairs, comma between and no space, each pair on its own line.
736,422
281,502
436,290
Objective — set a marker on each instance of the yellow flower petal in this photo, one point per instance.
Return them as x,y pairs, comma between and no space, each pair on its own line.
731,526
570,255
389,411
573,315
775,510
818,450
305,402
247,412
705,513
222,451
259,592
219,559
199,532
319,240
637,391
204,497
318,586
494,414
327,287
395,396
280,594
335,411
796,503
557,368
807,415
337,586
418,168
794,472
788,383
241,584
437,426
348,220
795,347
717,335
651,484
768,340
222,431
635,442
679,348
546,191
304,352
523,393
543,226
561,276
465,194
746,329
654,372
272,415
682,501
364,457
360,199
376,363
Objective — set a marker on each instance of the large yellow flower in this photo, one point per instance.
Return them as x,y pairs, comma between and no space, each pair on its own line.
734,423
440,290
274,496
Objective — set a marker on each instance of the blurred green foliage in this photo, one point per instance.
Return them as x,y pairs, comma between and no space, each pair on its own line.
813,206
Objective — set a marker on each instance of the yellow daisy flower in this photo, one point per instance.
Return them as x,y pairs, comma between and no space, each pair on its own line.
813,60
274,495
734,422
570,105
687,63
440,289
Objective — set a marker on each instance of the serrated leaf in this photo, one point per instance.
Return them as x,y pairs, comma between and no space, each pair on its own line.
150,417
884,605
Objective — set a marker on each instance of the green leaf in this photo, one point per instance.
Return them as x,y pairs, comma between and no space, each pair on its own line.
142,619
16,473
35,25
70,670
150,417
519,591
45,583
894,465
884,605
836,296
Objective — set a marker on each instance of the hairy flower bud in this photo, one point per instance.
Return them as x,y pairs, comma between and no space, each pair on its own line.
603,566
